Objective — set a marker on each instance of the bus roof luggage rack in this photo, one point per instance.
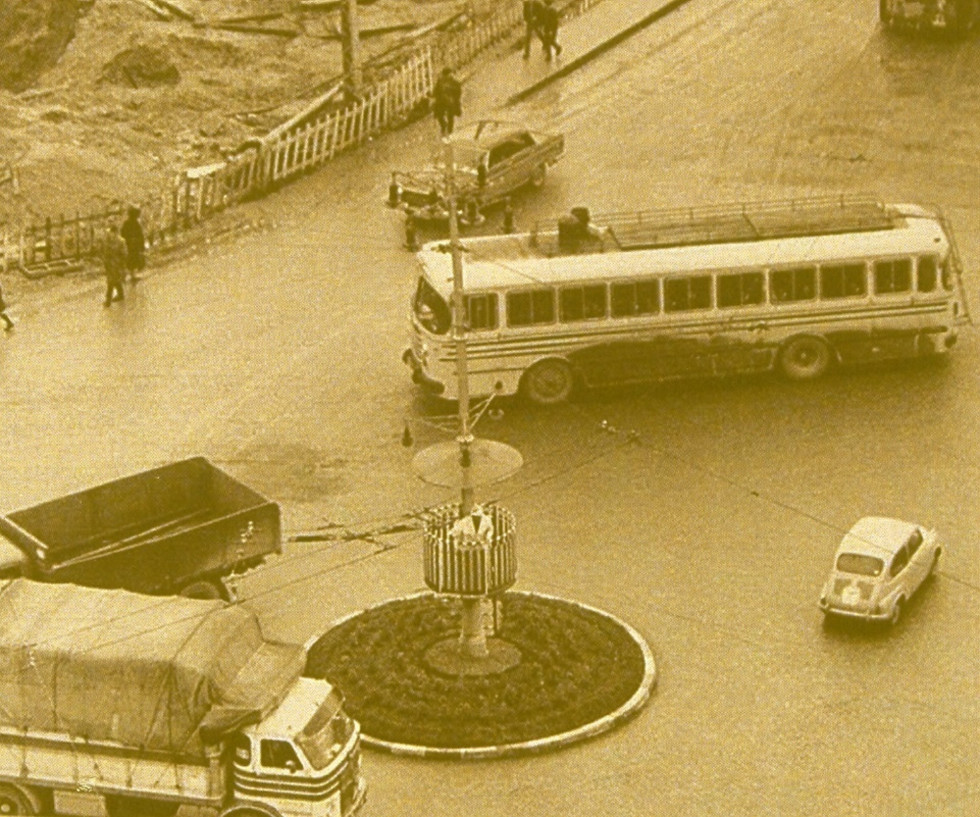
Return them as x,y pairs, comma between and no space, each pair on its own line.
748,221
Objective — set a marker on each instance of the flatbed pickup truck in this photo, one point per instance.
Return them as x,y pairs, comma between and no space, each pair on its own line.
179,528
492,160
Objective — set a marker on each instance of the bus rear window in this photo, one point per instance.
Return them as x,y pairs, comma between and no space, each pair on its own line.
527,308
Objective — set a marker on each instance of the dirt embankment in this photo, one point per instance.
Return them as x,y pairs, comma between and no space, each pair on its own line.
105,100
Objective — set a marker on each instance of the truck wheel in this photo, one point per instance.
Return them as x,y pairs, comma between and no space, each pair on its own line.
14,800
804,358
548,382
205,589
538,175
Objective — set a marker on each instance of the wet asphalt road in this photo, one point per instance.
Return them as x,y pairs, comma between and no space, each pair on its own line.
706,517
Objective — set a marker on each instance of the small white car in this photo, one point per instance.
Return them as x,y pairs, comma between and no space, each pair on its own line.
879,564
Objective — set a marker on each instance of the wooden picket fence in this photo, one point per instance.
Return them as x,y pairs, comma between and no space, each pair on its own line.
61,243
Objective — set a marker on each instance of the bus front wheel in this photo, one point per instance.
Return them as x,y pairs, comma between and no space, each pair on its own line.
548,382
804,358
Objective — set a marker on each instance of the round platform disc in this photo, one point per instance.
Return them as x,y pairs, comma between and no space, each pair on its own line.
490,462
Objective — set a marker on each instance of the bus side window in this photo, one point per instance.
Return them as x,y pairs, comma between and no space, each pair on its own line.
579,303
527,308
926,273
481,311
793,284
843,281
687,293
893,276
639,298
739,289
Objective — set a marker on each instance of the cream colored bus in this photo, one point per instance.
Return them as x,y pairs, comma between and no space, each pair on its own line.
798,286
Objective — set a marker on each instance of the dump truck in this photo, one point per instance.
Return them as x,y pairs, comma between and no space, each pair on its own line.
180,528
119,704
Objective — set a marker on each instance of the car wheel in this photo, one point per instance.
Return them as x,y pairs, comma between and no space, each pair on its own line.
804,358
538,175
896,615
548,382
933,565
204,589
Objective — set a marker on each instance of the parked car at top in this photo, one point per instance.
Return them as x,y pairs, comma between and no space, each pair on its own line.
879,565
492,160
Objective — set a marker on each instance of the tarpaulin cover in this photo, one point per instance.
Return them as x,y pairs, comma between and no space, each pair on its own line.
147,671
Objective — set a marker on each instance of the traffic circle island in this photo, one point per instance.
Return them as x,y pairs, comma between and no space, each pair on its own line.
555,672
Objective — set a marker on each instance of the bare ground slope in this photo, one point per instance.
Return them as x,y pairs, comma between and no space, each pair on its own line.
104,100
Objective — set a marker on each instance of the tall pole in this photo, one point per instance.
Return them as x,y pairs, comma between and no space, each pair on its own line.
350,47
473,640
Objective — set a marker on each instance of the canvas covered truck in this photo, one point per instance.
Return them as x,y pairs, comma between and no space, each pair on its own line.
957,17
118,704
179,528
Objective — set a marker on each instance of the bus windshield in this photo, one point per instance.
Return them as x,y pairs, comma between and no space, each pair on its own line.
430,308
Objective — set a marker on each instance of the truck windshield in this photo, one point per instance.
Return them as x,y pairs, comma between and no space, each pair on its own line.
430,308
327,732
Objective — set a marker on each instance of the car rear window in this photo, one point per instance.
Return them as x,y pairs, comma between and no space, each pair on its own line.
860,564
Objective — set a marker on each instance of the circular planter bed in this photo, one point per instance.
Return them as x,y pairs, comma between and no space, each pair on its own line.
554,667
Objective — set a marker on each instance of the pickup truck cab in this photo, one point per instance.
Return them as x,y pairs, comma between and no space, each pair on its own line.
492,159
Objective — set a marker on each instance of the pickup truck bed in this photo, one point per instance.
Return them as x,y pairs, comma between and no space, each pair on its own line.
159,531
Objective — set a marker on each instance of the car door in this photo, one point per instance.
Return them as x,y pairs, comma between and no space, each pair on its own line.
919,559
898,575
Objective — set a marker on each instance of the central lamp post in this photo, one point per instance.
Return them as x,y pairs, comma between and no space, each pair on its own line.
468,549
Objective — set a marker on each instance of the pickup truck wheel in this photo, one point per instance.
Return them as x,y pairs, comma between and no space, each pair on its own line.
205,589
14,800
538,175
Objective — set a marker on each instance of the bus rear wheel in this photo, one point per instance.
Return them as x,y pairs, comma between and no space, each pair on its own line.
804,358
548,382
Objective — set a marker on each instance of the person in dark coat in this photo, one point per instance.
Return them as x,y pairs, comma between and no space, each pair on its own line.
532,13
548,29
448,94
132,233
114,260
3,314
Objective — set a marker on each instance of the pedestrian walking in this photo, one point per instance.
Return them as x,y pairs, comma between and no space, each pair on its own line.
9,324
132,233
114,260
447,95
532,14
548,29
